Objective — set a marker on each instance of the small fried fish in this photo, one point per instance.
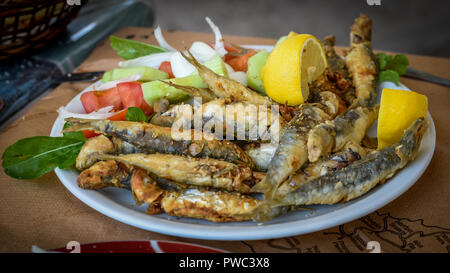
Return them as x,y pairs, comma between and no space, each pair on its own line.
361,176
361,63
206,172
331,136
227,88
152,138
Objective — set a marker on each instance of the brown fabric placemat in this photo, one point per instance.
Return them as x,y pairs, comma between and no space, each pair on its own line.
44,213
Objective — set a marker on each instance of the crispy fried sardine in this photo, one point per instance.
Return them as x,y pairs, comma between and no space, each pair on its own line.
361,176
227,118
361,63
244,120
153,138
336,64
227,88
204,172
337,75
102,174
215,206
291,152
204,93
144,188
98,144
311,170
331,136
261,154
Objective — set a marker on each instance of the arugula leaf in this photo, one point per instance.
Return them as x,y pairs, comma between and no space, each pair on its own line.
136,114
131,49
76,135
32,157
388,76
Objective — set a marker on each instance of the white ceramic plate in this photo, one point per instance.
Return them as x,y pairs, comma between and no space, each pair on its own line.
119,204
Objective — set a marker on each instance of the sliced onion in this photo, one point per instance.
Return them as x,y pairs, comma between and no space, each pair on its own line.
180,66
111,84
152,60
202,51
219,45
161,41
229,68
102,113
239,76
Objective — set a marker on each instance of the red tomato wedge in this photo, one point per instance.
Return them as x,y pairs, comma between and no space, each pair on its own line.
237,57
94,100
131,95
124,95
240,62
90,133
166,67
120,116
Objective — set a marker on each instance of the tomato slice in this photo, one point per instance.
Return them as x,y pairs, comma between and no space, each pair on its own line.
240,63
90,101
89,133
166,67
131,95
124,95
120,116
94,100
231,48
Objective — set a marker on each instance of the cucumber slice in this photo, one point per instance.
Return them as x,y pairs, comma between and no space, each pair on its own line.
156,90
255,63
217,65
107,77
148,73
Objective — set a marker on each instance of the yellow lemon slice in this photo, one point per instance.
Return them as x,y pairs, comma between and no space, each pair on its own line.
398,110
295,62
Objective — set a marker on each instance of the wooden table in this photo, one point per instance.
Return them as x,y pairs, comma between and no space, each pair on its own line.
43,212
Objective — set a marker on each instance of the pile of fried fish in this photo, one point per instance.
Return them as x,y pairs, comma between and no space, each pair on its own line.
323,155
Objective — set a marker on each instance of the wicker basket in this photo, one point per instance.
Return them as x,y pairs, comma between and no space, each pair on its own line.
26,25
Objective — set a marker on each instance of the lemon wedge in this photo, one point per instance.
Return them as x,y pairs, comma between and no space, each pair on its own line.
398,110
295,62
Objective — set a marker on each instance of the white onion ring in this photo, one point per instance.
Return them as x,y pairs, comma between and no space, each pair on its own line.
219,45
161,41
102,113
152,60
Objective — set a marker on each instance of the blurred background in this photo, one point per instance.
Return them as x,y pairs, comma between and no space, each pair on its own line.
419,27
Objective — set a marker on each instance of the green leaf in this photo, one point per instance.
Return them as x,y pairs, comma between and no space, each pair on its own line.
32,157
388,76
131,49
383,60
75,135
398,64
136,114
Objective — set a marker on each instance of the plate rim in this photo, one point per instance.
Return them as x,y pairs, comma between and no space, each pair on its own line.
331,219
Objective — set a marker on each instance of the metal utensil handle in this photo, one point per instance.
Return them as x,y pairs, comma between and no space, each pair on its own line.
76,77
414,73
